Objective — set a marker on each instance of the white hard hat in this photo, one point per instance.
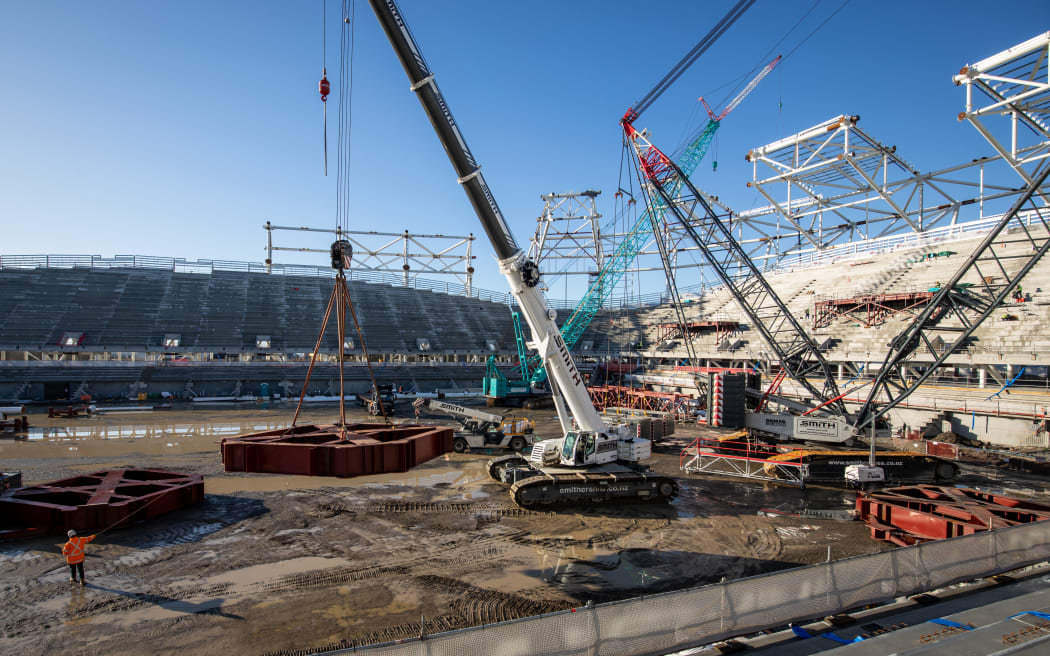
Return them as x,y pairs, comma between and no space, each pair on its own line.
71,533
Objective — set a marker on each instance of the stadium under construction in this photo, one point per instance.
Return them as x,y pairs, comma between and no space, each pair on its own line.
824,429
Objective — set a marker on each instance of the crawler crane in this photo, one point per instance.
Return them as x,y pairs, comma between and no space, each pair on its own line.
592,462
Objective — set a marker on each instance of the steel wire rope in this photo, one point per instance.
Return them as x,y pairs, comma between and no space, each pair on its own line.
762,61
324,75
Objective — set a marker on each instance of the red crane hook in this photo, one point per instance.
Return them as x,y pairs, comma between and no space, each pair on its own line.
324,87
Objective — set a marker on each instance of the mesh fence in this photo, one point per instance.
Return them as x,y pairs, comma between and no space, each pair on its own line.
676,620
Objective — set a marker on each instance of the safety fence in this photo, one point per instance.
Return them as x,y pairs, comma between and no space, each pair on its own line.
676,620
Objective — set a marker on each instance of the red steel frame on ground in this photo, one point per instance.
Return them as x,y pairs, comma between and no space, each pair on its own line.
102,500
913,514
329,450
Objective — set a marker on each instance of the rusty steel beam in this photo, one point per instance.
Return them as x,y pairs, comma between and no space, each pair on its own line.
98,501
334,450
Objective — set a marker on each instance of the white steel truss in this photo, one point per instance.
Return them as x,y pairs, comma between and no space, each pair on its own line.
568,229
834,183
1014,84
703,461
395,252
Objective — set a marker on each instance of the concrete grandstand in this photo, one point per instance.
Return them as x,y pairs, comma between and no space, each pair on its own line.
114,331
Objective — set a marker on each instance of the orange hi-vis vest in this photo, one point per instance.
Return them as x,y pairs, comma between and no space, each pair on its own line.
74,549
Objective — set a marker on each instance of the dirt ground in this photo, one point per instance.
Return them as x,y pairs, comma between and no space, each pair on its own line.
281,564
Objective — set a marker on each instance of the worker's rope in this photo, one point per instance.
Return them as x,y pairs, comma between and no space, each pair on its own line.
50,568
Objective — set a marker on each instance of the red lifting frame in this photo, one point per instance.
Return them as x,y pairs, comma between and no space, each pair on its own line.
321,449
97,501
913,514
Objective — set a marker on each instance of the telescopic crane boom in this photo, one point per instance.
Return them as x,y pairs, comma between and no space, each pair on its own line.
611,455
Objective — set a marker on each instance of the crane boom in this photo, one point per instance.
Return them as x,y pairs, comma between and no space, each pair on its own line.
616,266
522,274
796,351
683,64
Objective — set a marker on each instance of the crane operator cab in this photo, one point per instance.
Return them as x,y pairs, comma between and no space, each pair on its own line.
577,449
585,448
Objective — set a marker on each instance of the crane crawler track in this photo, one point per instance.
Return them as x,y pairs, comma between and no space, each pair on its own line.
603,488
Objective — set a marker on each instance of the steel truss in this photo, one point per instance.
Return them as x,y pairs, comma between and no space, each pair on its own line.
568,229
395,252
1016,84
681,406
834,183
790,344
871,309
696,459
955,312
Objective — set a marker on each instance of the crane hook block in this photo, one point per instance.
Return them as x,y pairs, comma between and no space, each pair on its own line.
325,88
342,251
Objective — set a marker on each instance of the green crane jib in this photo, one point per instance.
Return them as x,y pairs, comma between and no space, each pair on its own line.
616,266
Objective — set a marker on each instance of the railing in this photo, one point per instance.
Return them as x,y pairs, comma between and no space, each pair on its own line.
806,258
181,265
856,249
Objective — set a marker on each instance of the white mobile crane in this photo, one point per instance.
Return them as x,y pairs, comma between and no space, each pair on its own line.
592,462
483,429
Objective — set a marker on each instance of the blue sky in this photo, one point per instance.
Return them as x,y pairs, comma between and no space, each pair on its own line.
178,129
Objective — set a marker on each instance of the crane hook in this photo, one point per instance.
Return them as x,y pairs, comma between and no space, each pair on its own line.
324,87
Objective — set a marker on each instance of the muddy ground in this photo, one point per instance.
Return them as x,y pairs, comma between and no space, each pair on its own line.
278,564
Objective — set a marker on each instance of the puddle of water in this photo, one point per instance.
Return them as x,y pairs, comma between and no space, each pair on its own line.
241,579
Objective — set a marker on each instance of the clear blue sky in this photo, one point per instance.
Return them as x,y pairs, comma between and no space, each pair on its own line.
179,128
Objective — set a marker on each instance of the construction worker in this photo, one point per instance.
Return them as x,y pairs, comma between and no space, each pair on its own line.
73,550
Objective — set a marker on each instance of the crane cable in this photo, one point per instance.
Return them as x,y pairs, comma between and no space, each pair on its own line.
346,50
324,87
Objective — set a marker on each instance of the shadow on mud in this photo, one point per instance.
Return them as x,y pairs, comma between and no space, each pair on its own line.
209,607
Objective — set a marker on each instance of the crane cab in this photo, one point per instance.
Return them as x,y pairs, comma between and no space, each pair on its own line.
580,448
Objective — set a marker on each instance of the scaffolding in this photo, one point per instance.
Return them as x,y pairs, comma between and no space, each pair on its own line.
404,253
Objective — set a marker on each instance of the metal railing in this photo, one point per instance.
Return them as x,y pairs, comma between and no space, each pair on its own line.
807,258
